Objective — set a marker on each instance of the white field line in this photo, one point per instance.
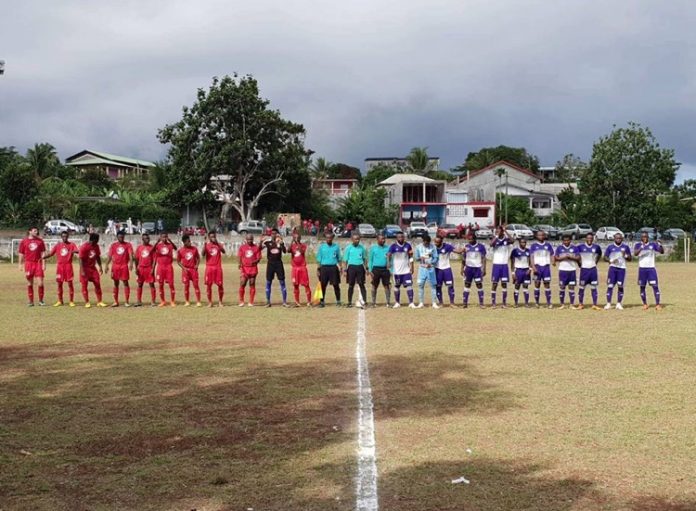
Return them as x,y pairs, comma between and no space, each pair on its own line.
366,488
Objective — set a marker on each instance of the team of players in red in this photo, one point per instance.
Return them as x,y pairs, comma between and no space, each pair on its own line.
154,265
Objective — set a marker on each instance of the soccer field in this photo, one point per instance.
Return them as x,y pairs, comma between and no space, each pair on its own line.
254,408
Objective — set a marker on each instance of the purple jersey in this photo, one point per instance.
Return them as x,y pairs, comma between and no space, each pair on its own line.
617,254
401,257
520,258
589,255
443,260
474,255
541,253
500,247
647,253
566,251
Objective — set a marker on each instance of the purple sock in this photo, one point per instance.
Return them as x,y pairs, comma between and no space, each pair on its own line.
526,297
409,292
572,297
581,295
642,295
561,295
450,292
593,291
548,297
656,292
397,295
480,294
438,292
504,296
620,293
610,292
493,297
466,296
516,296
537,295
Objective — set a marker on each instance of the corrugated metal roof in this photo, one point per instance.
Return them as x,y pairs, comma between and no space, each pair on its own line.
96,161
406,178
125,161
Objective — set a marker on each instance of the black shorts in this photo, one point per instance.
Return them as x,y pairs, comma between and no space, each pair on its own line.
275,269
328,275
380,275
356,275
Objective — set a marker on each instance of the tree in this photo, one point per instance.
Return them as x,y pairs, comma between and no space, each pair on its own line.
378,173
518,210
366,204
569,169
627,173
231,144
490,155
43,161
321,169
418,161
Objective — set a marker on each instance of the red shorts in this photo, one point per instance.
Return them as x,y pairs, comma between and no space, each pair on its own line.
189,275
91,275
145,276
120,272
33,270
213,275
64,272
249,271
165,274
300,276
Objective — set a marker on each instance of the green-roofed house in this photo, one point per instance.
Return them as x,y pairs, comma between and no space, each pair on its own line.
115,167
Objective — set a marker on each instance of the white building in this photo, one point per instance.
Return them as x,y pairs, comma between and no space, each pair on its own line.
400,163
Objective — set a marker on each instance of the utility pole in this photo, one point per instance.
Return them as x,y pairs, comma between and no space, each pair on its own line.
2,67
506,197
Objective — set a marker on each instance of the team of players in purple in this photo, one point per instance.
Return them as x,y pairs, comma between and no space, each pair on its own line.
524,265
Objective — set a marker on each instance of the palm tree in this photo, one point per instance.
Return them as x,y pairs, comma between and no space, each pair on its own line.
43,160
418,161
321,169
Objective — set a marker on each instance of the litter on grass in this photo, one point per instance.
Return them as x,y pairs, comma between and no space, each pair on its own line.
461,480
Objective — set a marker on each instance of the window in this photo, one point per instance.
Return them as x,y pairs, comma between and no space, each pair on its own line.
538,203
480,212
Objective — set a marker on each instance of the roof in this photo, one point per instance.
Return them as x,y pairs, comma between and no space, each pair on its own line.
329,180
406,178
114,159
493,166
97,161
397,158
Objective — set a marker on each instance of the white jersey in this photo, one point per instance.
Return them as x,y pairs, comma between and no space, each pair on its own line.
474,255
443,260
501,250
646,257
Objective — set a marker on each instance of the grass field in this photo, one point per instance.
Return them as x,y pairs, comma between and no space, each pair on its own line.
237,409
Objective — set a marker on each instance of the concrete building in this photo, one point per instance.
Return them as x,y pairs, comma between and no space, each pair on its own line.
336,189
115,167
399,163
418,198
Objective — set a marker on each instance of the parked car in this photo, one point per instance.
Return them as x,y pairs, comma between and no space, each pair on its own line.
550,230
607,233
367,231
416,229
653,234
519,231
148,228
449,231
59,226
251,227
432,229
391,230
484,232
576,231
673,234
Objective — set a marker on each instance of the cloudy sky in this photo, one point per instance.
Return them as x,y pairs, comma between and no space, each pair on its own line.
365,77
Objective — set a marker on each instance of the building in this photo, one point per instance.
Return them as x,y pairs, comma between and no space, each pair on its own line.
418,198
547,173
462,212
336,189
507,178
400,163
115,167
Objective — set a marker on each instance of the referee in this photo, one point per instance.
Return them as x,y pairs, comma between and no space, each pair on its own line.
328,257
377,266
355,265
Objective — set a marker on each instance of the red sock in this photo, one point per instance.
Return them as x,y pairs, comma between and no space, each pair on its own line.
126,291
153,294
60,292
30,292
162,292
85,292
241,294
172,293
98,291
71,290
296,293
209,292
140,294
115,293
41,293
197,290
221,292
308,291
252,294
187,292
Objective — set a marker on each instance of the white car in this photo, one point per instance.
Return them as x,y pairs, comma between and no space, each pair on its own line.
484,232
519,231
432,229
59,226
416,229
367,231
607,233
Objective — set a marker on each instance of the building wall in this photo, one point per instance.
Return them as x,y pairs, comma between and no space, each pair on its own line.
471,213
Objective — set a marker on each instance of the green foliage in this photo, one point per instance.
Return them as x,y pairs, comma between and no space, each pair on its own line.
490,155
94,179
366,204
418,162
626,175
518,210
569,169
676,210
378,173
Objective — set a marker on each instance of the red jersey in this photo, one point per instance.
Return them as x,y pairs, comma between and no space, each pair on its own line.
164,252
89,254
64,252
213,255
188,257
297,251
121,253
249,255
31,249
145,256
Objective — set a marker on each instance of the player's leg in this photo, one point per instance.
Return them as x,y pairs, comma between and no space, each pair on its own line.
186,282
30,288
114,292
197,289
242,287
252,290
409,289
439,276
84,290
98,291
479,286
336,283
323,282
280,272
126,292
547,291
59,282
374,285
71,292
494,292
422,278
571,294
270,272
40,284
432,280
397,290
467,290
139,292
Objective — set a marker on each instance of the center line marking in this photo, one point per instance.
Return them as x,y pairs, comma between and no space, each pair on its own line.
366,488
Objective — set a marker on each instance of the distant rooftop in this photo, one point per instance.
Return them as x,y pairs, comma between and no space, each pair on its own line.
105,158
406,178
397,158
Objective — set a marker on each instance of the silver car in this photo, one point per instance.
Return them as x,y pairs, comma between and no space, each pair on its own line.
251,227
576,231
367,231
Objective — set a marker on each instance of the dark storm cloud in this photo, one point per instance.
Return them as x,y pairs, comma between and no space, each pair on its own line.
366,78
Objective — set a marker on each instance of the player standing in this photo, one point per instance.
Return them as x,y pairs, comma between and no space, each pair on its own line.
188,259
443,269
275,248
378,268
541,253
520,264
145,260
300,275
567,258
646,251
355,267
90,259
64,252
212,251
121,253
400,256
328,258
500,247
590,253
31,251
163,269
473,268
616,255
249,255
427,255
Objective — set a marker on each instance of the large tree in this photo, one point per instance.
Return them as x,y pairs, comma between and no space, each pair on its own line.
230,144
626,175
418,161
489,155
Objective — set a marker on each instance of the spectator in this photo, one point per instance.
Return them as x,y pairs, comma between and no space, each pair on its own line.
160,225
129,226
349,228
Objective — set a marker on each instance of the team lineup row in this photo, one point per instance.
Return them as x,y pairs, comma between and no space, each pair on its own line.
520,265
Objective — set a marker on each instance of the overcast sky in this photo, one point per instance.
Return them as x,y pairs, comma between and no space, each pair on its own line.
366,77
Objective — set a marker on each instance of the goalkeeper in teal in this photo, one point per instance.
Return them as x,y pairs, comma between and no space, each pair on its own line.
426,255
